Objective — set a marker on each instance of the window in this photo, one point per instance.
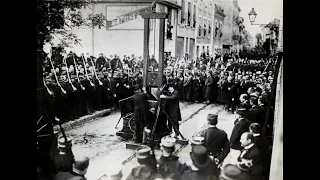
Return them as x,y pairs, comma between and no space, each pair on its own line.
220,28
169,15
194,16
216,29
182,12
189,14
187,45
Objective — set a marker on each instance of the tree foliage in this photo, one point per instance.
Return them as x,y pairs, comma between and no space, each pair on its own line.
55,17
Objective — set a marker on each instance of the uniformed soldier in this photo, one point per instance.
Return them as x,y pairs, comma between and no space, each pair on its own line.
64,159
79,170
146,169
215,140
167,163
197,140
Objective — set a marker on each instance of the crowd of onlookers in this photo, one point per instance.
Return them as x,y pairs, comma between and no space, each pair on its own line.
99,83
241,85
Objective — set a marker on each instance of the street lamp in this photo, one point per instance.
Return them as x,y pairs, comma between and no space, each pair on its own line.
252,17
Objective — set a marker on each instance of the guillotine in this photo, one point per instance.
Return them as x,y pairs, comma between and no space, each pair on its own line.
154,79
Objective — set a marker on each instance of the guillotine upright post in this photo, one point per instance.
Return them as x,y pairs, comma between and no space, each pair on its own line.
147,16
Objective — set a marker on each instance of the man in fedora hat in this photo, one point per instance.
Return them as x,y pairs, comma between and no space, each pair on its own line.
201,167
79,169
147,168
215,139
168,162
241,125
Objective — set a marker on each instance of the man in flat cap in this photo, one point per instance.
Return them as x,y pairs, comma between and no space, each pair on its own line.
215,140
241,125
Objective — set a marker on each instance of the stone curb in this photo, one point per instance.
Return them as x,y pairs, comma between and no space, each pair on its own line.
84,119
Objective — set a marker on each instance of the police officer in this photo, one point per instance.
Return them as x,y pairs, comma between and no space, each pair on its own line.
215,140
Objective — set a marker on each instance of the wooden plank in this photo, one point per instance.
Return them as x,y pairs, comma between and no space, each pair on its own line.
134,146
148,15
161,52
145,51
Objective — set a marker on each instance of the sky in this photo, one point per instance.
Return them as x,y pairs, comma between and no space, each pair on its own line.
266,11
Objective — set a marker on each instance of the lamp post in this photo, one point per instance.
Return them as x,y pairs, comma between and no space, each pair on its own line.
252,17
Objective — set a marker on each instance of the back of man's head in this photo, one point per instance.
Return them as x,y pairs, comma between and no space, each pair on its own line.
254,101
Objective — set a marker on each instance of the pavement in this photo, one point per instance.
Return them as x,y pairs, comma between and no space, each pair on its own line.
96,139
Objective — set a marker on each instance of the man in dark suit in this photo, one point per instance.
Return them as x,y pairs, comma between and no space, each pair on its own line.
172,108
101,61
244,101
251,152
256,113
140,111
241,126
215,140
263,145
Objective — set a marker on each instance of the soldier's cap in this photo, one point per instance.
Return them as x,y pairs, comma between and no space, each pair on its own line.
241,111
80,165
62,143
136,87
114,170
230,172
212,118
244,164
168,141
197,140
143,152
255,127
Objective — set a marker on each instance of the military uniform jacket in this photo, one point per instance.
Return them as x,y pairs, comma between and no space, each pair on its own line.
216,141
239,128
69,176
168,167
142,173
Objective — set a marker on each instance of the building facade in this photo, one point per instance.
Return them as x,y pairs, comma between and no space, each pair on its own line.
122,33
186,29
231,24
218,24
